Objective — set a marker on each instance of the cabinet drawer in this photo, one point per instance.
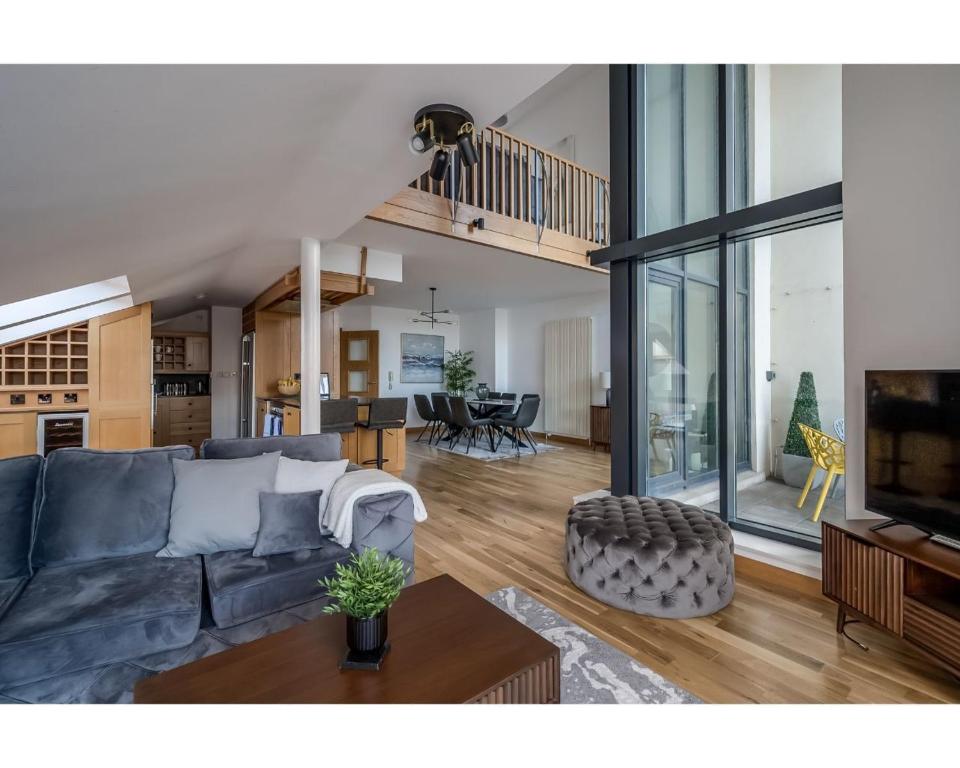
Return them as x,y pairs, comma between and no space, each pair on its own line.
937,632
189,403
179,430
189,417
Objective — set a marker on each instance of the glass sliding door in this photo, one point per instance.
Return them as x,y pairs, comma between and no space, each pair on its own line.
664,378
790,342
682,335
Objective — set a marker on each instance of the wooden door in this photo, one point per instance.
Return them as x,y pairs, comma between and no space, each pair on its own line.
359,363
18,434
121,381
330,349
198,354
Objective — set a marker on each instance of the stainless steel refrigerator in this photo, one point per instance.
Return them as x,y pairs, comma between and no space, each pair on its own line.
248,397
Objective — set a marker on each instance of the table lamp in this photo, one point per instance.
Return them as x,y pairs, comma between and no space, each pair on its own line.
605,383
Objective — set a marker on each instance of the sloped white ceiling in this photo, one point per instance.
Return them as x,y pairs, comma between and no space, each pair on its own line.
193,179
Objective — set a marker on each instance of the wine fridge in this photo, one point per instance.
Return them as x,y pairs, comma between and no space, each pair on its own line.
61,430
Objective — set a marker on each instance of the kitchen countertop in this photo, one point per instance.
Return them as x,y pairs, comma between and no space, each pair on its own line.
294,400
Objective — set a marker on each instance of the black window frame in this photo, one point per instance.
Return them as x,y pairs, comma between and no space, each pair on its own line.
631,250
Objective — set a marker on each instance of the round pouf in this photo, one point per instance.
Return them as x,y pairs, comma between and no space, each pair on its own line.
651,556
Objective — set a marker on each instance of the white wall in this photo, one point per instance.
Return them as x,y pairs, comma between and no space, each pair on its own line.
225,333
391,322
901,159
526,333
581,109
486,333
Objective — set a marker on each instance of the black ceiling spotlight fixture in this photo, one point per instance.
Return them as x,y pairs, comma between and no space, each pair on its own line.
443,126
438,168
468,155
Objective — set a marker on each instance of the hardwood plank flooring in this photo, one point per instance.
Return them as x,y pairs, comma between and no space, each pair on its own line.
501,523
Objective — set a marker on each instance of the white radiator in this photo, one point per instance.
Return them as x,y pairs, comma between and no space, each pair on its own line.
567,377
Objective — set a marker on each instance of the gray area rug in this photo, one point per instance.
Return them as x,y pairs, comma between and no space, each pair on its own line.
481,451
591,670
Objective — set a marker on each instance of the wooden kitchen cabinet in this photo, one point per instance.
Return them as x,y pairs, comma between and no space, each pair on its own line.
291,420
182,421
18,434
198,354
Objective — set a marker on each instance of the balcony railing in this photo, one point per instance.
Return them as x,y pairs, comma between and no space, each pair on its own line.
516,179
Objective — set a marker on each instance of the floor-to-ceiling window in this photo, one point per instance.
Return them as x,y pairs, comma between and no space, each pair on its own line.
726,286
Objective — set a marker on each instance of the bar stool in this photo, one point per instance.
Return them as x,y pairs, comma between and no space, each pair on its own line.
338,415
385,413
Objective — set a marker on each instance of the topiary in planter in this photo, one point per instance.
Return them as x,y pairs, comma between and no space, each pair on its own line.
805,411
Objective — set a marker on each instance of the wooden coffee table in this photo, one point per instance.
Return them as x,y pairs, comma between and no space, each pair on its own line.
448,645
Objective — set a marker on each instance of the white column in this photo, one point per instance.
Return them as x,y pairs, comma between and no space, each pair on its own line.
309,336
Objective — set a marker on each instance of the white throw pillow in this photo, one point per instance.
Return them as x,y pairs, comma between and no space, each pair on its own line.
295,476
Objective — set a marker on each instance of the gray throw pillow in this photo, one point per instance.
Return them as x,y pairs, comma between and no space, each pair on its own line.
288,522
216,504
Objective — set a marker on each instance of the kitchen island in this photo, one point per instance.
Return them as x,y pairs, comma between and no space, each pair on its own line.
359,446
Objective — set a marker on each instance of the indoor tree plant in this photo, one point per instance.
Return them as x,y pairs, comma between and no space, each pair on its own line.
364,589
796,457
458,373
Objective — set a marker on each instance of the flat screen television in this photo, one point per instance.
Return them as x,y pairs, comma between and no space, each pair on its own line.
912,455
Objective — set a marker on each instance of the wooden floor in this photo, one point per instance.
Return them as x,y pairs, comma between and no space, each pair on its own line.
501,523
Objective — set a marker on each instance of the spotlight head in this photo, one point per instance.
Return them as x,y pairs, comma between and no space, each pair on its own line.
468,155
438,168
421,141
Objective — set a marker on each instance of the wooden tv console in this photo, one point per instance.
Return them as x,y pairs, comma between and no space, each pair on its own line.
896,580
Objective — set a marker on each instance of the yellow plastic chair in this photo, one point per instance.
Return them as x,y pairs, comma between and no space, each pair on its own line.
829,454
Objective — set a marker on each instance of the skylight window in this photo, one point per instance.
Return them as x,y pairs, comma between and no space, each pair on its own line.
41,314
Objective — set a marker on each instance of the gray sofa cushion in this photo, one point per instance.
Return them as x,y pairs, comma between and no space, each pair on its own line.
216,504
303,447
243,587
99,504
19,478
288,522
83,615
9,589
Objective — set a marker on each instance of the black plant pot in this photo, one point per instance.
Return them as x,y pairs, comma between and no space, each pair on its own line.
367,636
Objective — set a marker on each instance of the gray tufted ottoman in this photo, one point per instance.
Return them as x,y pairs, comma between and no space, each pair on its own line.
651,556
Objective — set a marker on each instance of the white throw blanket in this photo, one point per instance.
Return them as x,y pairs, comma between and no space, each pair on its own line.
352,486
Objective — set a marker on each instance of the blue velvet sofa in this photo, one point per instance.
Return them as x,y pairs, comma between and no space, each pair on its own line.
81,587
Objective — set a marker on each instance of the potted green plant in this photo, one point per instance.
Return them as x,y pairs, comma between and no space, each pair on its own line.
458,373
796,461
363,590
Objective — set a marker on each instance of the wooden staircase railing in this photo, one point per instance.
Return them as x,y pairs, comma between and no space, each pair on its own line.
517,179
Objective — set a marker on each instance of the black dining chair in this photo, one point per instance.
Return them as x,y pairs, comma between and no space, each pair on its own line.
518,424
384,413
502,410
425,411
528,396
467,423
441,408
